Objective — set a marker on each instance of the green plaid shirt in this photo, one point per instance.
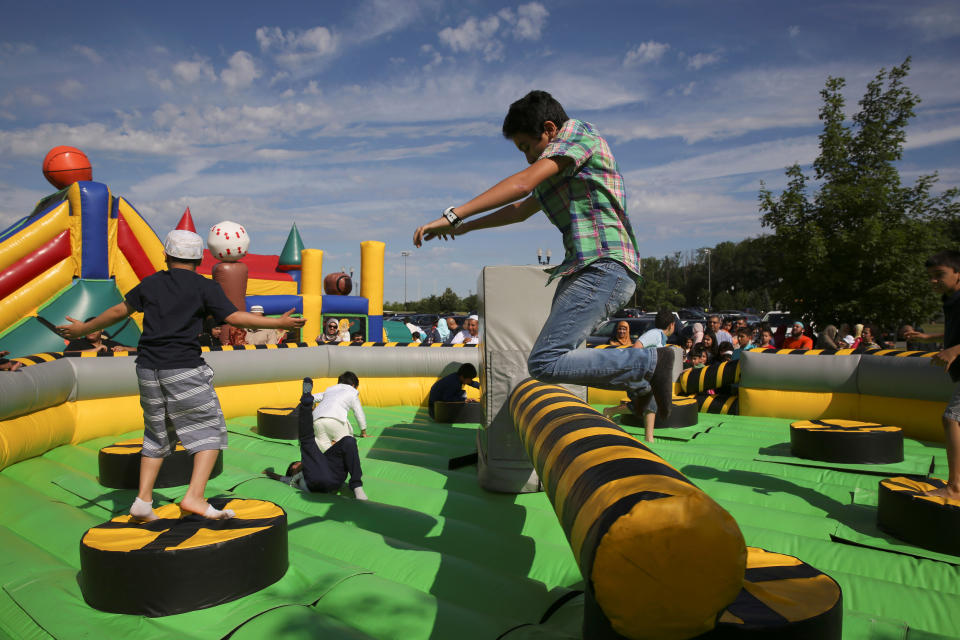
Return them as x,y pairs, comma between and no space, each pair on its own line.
587,201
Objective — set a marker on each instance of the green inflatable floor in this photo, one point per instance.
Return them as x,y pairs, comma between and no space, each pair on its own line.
431,555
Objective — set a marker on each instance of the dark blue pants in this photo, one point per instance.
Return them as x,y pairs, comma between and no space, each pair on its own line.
325,471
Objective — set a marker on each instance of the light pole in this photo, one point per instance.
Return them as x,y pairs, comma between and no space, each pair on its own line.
404,254
709,285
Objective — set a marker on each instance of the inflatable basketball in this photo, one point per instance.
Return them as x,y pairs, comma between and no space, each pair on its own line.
63,166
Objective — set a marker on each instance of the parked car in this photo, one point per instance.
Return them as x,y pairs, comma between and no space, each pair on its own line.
605,331
692,315
628,312
777,318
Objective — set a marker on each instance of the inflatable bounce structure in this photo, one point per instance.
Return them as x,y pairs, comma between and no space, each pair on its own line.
83,248
545,520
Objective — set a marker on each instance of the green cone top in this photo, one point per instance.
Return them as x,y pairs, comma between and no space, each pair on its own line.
290,256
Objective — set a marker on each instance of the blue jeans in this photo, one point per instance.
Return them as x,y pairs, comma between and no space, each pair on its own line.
582,301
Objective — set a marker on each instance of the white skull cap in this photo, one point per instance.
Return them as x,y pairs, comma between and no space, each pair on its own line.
183,244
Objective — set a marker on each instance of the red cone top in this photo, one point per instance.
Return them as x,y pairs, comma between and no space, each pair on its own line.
186,222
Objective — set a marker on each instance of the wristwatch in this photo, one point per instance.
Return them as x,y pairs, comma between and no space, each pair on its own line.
454,220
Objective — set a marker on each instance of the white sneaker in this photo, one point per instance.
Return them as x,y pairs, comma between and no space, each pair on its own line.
359,494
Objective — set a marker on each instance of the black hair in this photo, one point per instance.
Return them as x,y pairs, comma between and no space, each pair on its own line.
195,262
350,378
292,468
528,114
664,319
744,331
945,258
697,350
467,371
356,334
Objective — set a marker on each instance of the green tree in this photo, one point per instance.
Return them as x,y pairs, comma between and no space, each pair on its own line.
854,251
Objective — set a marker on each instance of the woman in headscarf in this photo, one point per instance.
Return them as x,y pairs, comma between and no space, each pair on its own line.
828,338
697,332
621,335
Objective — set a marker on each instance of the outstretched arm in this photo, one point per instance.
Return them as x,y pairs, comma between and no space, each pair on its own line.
247,320
77,329
508,190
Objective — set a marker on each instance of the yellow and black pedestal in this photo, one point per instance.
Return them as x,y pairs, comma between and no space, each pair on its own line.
846,441
120,466
926,521
174,565
278,422
783,598
683,414
457,412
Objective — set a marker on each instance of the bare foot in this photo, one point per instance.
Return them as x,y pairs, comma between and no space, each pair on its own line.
944,492
203,508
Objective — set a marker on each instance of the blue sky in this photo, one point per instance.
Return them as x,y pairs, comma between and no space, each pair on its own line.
361,120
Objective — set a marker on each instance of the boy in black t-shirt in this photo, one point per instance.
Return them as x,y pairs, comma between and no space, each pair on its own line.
176,385
450,387
944,270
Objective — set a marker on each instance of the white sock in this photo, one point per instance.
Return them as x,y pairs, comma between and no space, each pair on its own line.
359,494
143,511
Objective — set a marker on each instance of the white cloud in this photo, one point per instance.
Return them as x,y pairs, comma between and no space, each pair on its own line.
192,71
88,53
649,51
761,157
702,60
295,48
17,48
241,72
530,21
71,88
474,35
937,21
793,31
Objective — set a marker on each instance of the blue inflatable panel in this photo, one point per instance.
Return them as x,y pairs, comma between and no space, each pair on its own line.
375,327
344,304
276,305
95,205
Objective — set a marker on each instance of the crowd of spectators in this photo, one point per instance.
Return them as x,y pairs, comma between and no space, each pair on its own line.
723,339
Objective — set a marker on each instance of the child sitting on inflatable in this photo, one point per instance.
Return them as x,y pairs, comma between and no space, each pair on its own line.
328,449
944,270
450,387
176,385
575,180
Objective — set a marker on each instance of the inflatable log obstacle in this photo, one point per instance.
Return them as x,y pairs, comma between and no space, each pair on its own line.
659,557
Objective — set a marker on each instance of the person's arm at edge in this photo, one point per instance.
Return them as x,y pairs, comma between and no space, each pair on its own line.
917,336
77,329
359,415
247,320
508,190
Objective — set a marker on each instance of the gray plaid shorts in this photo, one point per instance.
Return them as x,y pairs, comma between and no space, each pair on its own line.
952,412
180,404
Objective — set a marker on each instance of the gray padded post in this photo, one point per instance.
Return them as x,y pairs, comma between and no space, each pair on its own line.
514,304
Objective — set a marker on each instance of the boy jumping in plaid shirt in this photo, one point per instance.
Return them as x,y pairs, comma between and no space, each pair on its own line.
576,182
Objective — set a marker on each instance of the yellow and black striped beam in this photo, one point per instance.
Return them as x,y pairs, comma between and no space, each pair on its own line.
710,377
659,557
723,404
906,511
896,353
